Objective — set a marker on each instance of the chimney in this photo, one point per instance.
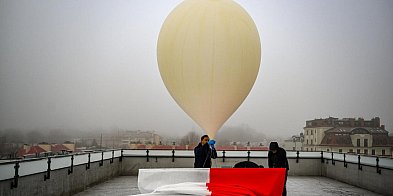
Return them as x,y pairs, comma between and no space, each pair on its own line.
352,122
361,122
377,122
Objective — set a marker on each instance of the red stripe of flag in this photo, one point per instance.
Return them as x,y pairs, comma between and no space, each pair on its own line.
246,181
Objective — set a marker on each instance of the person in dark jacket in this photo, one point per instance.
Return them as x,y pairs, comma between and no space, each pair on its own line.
277,158
204,152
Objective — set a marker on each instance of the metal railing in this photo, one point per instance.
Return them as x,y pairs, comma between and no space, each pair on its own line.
25,167
16,169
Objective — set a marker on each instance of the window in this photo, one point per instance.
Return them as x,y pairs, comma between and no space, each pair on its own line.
307,141
293,148
307,149
327,149
365,151
340,150
358,143
365,142
373,152
312,150
358,151
350,150
311,142
312,132
307,132
383,152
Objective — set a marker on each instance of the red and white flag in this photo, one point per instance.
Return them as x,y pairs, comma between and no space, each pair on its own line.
214,181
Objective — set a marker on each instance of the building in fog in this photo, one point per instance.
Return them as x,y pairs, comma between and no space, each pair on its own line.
295,143
134,138
348,135
45,149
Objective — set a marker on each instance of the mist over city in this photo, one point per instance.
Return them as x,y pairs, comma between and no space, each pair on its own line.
77,70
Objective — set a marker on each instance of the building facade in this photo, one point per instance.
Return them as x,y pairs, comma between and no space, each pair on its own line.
348,135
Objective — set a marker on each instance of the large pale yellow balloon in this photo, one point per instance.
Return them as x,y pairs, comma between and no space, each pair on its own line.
209,54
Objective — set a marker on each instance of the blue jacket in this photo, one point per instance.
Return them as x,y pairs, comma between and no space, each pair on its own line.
203,156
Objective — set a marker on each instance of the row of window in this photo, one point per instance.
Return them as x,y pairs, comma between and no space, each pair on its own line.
365,143
358,151
311,132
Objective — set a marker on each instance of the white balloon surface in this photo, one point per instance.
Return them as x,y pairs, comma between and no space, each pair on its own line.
209,53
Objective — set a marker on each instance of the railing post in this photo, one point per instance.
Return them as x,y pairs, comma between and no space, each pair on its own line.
378,169
359,165
14,184
173,155
121,156
345,162
248,155
47,175
102,159
88,162
223,156
333,162
297,156
322,160
147,155
71,169
113,156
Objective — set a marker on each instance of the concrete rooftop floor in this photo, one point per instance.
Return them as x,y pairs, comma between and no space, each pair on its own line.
296,185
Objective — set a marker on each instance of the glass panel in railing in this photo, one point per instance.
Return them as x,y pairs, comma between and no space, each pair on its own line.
80,159
236,153
60,162
259,153
107,155
32,167
292,154
338,156
134,152
117,153
316,154
185,153
7,171
326,155
95,156
368,160
386,162
160,153
351,158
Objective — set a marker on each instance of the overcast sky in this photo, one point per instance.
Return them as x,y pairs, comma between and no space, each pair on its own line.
92,65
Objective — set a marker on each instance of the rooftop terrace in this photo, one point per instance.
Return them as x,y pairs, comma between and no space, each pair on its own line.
115,172
296,186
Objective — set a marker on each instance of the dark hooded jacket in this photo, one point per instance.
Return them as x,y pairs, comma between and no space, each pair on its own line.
203,156
278,159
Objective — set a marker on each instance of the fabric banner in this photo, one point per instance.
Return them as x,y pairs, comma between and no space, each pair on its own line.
246,181
214,181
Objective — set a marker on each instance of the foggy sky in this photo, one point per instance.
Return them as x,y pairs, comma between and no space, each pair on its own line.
92,65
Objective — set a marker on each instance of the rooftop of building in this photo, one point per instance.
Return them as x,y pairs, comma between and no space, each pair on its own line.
296,186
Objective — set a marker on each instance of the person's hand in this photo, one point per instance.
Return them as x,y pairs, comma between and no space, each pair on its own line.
211,143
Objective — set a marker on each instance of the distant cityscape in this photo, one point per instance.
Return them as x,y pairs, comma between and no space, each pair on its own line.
347,135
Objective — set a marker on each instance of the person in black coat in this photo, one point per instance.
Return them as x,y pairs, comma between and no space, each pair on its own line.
277,158
204,152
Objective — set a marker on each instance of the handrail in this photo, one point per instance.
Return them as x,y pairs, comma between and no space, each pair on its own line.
52,164
7,169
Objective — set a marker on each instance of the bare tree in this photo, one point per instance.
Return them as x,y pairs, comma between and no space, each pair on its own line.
191,138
